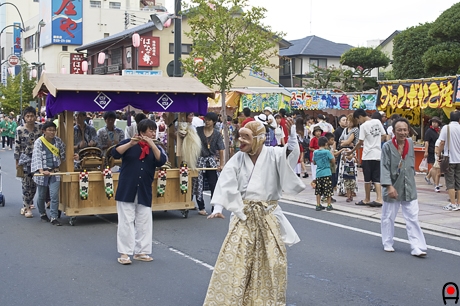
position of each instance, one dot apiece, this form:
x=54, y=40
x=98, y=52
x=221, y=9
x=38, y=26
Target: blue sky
x=353, y=21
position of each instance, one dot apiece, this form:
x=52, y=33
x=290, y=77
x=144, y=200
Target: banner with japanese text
x=258, y=102
x=317, y=99
x=75, y=63
x=149, y=51
x=67, y=22
x=17, y=47
x=433, y=93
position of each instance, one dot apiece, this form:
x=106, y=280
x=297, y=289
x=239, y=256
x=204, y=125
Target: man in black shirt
x=431, y=135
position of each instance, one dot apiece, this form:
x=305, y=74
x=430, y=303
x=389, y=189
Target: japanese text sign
x=417, y=93
x=320, y=99
x=75, y=63
x=67, y=25
x=17, y=48
x=149, y=55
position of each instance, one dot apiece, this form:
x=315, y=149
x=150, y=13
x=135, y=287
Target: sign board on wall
x=66, y=20
x=75, y=63
x=149, y=51
x=142, y=72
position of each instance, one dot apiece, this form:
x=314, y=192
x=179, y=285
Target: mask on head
x=258, y=135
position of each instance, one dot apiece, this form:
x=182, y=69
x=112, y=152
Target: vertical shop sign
x=75, y=63
x=149, y=55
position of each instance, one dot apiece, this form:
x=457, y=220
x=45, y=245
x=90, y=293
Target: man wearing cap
x=431, y=135
x=84, y=135
x=270, y=119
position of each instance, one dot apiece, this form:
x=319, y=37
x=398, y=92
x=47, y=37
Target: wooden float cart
x=66, y=94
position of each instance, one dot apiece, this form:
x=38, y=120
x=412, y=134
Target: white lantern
x=101, y=58
x=84, y=66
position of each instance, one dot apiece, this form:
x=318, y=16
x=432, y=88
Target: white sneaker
x=388, y=249
x=455, y=207
x=417, y=252
x=437, y=189
x=23, y=211
x=449, y=206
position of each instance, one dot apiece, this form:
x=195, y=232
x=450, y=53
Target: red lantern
x=101, y=58
x=136, y=40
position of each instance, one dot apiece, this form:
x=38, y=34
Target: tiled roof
x=315, y=46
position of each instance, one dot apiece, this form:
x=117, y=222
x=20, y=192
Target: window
x=186, y=48
x=64, y=48
x=106, y=35
x=36, y=0
x=95, y=3
x=115, y=5
x=286, y=65
x=319, y=62
x=29, y=43
x=116, y=56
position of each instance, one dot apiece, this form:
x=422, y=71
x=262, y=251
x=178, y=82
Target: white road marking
x=192, y=259
x=367, y=218
x=367, y=232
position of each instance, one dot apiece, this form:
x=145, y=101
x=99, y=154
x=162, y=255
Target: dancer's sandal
x=142, y=257
x=124, y=260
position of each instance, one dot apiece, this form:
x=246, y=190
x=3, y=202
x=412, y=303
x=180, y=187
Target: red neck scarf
x=406, y=147
x=145, y=149
x=436, y=129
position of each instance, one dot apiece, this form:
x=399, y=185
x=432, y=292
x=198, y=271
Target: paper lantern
x=34, y=73
x=136, y=40
x=43, y=71
x=167, y=23
x=84, y=66
x=63, y=70
x=11, y=71
x=101, y=58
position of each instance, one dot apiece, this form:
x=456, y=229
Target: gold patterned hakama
x=251, y=268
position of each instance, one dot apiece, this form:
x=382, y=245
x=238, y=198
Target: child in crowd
x=322, y=158
x=349, y=175
x=331, y=146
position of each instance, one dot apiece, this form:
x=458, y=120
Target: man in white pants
x=398, y=182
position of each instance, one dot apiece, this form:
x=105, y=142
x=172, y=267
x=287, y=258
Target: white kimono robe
x=266, y=181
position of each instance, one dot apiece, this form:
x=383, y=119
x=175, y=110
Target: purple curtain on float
x=112, y=101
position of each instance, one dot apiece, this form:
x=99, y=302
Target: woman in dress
x=348, y=139
x=251, y=268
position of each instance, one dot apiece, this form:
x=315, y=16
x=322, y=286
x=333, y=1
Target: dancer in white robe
x=251, y=268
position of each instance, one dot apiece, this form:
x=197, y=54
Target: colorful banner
x=257, y=102
x=75, y=63
x=67, y=22
x=17, y=47
x=263, y=76
x=316, y=99
x=436, y=93
x=149, y=51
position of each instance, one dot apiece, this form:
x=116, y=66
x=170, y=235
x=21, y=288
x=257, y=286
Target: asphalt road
x=340, y=260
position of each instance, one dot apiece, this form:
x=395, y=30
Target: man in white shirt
x=450, y=145
x=323, y=124
x=270, y=119
x=371, y=134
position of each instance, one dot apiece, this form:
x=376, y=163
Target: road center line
x=367, y=232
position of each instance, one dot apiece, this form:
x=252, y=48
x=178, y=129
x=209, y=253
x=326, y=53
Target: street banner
x=320, y=99
x=422, y=93
x=260, y=74
x=258, y=102
x=17, y=43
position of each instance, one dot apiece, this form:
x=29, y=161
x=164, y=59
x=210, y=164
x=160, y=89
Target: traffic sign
x=13, y=60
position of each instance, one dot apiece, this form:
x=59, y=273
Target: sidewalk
x=431, y=215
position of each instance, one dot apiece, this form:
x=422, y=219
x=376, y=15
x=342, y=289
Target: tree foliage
x=447, y=26
x=442, y=59
x=408, y=49
x=323, y=78
x=10, y=96
x=364, y=59
x=230, y=39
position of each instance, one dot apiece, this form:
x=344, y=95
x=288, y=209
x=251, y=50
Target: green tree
x=447, y=26
x=10, y=97
x=408, y=49
x=230, y=38
x=322, y=78
x=363, y=60
x=442, y=59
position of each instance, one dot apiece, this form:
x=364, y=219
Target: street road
x=340, y=260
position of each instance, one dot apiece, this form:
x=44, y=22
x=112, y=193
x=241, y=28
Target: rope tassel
x=183, y=178
x=108, y=182
x=83, y=184
x=161, y=182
